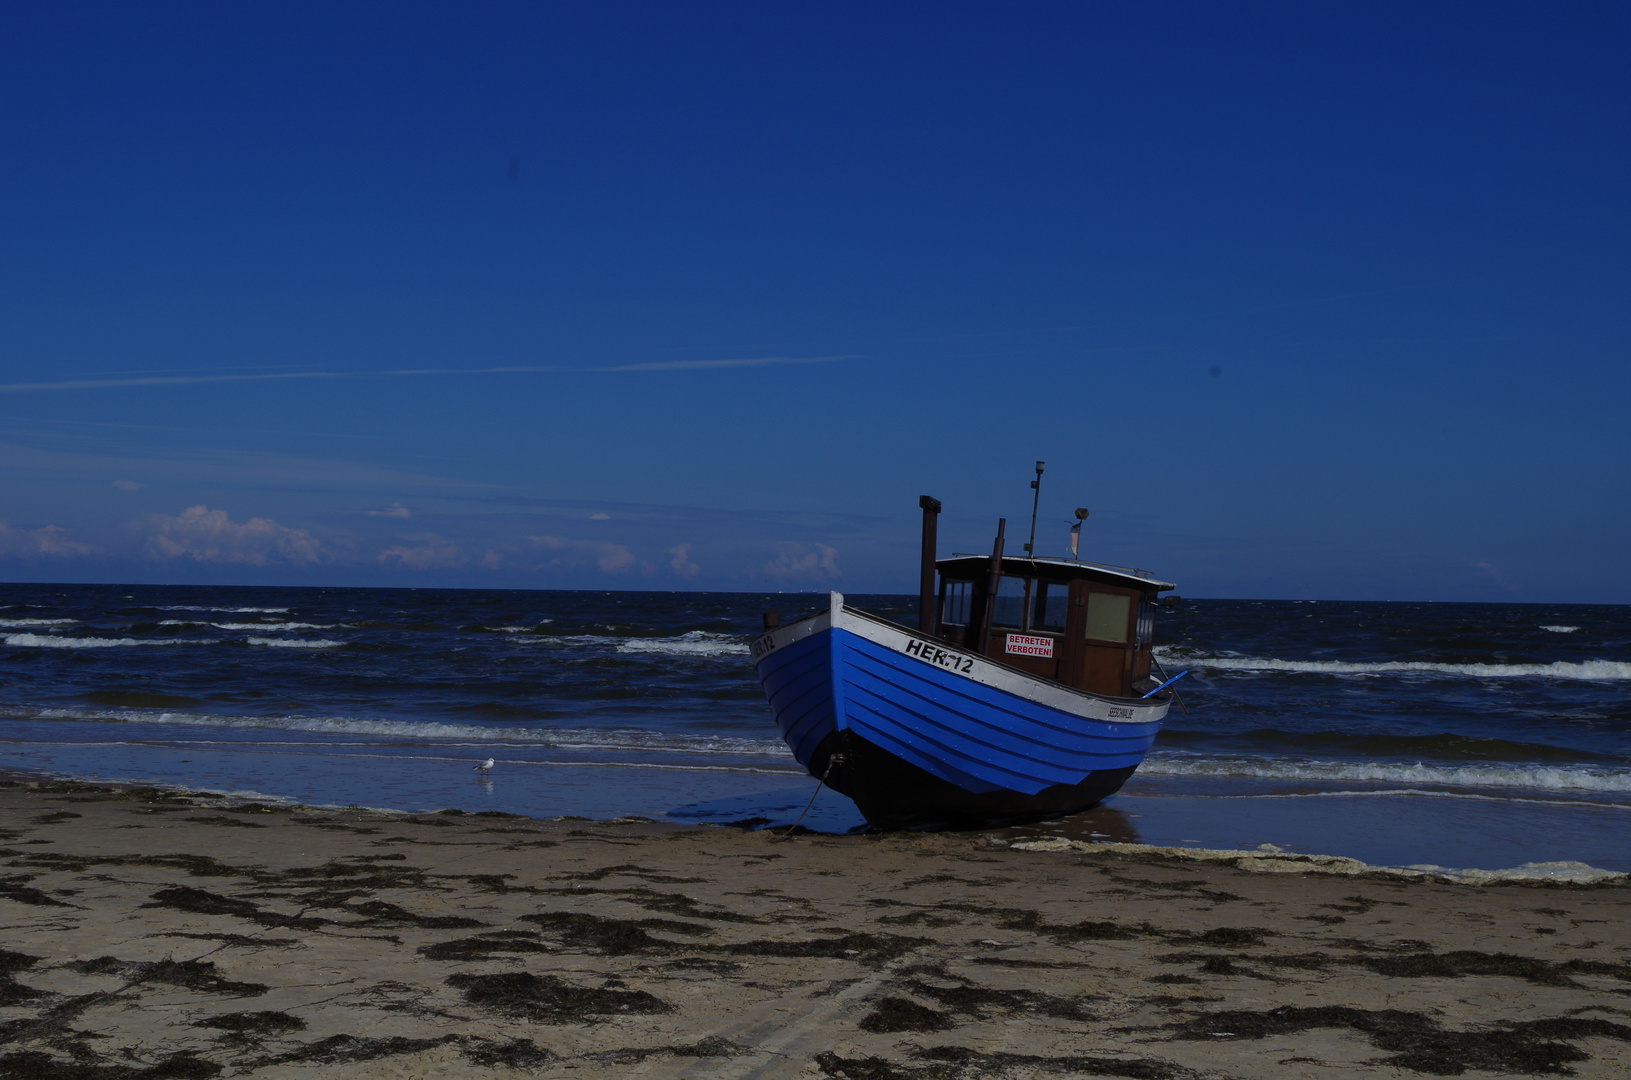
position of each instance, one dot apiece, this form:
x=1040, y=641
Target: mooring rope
x=834, y=760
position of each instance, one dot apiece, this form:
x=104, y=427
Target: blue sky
x=1313, y=301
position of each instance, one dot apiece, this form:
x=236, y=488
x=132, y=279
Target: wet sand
x=150, y=935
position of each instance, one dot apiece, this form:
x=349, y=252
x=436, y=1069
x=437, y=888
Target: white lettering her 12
x=933, y=654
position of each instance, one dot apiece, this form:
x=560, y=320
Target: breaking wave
x=1584, y=670
x=293, y=643
x=1541, y=777
x=1561, y=629
x=410, y=730
x=52, y=641
x=694, y=643
x=37, y=622
x=230, y=610
x=251, y=625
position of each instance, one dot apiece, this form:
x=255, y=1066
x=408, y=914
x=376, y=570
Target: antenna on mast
x=1036, y=486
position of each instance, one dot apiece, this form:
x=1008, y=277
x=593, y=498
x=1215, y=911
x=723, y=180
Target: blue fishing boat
x=1024, y=692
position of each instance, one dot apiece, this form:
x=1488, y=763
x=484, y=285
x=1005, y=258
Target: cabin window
x=1146, y=619
x=1009, y=609
x=958, y=594
x=1107, y=616
x=1052, y=605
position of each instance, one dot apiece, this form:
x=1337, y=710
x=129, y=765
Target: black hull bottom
x=895, y=794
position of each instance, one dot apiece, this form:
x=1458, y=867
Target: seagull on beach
x=486, y=766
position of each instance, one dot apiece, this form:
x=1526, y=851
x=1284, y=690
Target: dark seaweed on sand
x=253, y=1023
x=218, y=819
x=550, y=999
x=892, y=1014
x=36, y=1065
x=667, y=903
x=515, y=1054
x=485, y=946
x=1452, y=965
x=380, y=911
x=962, y=1063
x=613, y=937
x=1417, y=1041
x=872, y=948
x=189, y=974
x=13, y=992
x=712, y=1046
x=1012, y=918
x=195, y=865
x=973, y=1000
x=1446, y=965
x=203, y=902
x=16, y=887
x=348, y=1049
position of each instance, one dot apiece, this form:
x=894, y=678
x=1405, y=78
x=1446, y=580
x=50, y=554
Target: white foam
x=1426, y=793
x=694, y=643
x=38, y=622
x=1589, y=670
x=463, y=734
x=1542, y=777
x=294, y=643
x=51, y=641
x=1561, y=629
x=1268, y=859
x=251, y=625
x=231, y=610
x=521, y=629
x=575, y=639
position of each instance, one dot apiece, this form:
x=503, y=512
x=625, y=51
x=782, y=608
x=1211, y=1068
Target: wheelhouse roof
x=970, y=566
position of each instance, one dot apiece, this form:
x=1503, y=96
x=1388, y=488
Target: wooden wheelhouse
x=1083, y=624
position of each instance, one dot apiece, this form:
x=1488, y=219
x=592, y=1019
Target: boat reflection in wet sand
x=1025, y=691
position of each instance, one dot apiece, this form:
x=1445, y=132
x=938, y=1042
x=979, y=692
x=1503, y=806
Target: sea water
x=1459, y=735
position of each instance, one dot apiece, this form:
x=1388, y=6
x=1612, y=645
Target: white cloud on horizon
x=681, y=562
x=431, y=553
x=794, y=562
x=206, y=535
x=609, y=558
x=46, y=540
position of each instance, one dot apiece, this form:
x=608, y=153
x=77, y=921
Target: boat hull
x=923, y=736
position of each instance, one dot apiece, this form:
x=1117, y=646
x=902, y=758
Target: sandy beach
x=149, y=934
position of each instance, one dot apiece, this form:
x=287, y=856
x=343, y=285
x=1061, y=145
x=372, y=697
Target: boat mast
x=1036, y=486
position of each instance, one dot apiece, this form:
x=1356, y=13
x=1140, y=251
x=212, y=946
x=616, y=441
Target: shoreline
x=187, y=936
x=1455, y=833
x=1263, y=859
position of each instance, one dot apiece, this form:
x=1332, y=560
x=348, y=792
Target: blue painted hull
x=934, y=737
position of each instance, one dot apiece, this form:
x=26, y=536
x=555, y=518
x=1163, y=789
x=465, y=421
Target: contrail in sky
x=176, y=380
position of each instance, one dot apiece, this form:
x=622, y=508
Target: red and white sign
x=1026, y=645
